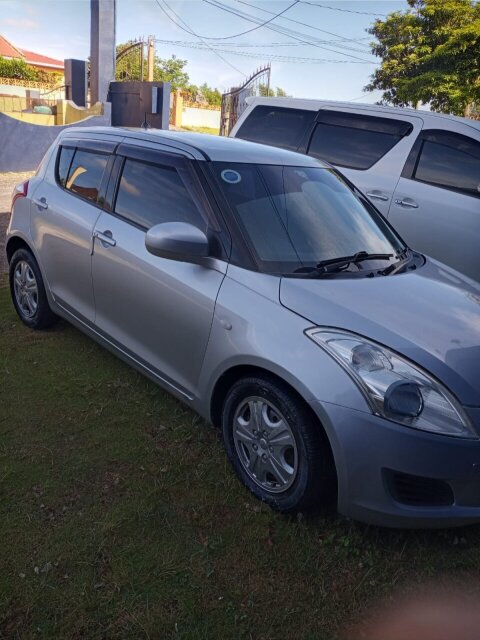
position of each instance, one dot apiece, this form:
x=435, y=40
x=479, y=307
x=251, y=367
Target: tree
x=212, y=96
x=430, y=54
x=281, y=93
x=164, y=69
x=171, y=70
x=268, y=92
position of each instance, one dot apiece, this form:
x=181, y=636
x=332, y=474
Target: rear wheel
x=28, y=291
x=277, y=447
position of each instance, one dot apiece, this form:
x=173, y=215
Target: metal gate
x=234, y=102
x=129, y=61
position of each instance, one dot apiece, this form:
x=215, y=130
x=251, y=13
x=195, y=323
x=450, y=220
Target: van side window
x=150, y=194
x=355, y=141
x=277, y=126
x=81, y=171
x=449, y=160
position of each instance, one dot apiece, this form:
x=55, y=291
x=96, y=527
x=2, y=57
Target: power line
x=291, y=33
x=304, y=24
x=191, y=32
x=254, y=45
x=242, y=33
x=324, y=6
x=265, y=55
x=287, y=32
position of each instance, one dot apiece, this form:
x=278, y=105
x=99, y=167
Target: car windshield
x=296, y=217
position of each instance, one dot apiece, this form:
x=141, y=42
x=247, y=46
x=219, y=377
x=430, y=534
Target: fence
x=27, y=84
x=16, y=104
x=234, y=102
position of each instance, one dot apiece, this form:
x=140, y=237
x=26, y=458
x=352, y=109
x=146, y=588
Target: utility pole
x=150, y=57
x=102, y=48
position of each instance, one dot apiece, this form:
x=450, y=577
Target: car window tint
x=355, y=141
x=86, y=172
x=149, y=194
x=276, y=126
x=450, y=161
x=64, y=161
x=297, y=216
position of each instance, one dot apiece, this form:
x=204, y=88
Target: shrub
x=18, y=69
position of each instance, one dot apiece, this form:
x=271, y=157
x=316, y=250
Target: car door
x=158, y=311
x=436, y=206
x=370, y=149
x=65, y=207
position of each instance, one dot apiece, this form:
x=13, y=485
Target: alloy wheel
x=26, y=289
x=265, y=444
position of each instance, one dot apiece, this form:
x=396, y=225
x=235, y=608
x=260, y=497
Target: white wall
x=193, y=117
x=10, y=90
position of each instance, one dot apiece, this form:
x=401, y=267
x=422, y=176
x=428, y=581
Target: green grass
x=211, y=130
x=120, y=517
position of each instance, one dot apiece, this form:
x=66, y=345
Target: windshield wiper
x=335, y=265
x=404, y=259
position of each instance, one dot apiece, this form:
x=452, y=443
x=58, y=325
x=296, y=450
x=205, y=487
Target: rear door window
x=449, y=160
x=277, y=126
x=84, y=173
x=355, y=141
x=150, y=194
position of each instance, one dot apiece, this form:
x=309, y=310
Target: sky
x=338, y=64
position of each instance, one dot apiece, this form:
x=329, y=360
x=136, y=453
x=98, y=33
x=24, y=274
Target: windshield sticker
x=231, y=176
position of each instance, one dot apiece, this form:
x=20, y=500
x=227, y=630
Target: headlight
x=394, y=387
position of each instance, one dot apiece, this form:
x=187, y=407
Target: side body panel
x=158, y=309
x=252, y=328
x=442, y=223
x=62, y=236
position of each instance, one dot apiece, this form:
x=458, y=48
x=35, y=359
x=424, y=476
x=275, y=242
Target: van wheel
x=277, y=447
x=28, y=291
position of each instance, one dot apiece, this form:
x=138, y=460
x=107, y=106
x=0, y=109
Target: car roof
x=314, y=105
x=204, y=146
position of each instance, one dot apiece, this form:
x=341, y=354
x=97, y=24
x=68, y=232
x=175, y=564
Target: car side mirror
x=177, y=241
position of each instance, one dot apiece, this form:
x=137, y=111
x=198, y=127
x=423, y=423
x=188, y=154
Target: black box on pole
x=76, y=81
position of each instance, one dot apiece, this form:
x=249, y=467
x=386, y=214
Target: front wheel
x=28, y=291
x=277, y=447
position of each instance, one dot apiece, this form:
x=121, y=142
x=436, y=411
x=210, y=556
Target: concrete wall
x=68, y=112
x=197, y=117
x=22, y=145
x=41, y=119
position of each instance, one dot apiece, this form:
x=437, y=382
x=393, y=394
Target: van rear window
x=277, y=126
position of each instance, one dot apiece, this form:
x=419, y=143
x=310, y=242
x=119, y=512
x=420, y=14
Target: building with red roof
x=37, y=60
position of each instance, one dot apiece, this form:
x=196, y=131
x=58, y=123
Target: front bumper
x=369, y=451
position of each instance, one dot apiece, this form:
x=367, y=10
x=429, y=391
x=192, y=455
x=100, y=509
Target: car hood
x=431, y=316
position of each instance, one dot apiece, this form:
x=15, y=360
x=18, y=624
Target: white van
x=420, y=169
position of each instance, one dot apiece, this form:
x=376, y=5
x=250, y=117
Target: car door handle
x=407, y=203
x=105, y=238
x=41, y=203
x=377, y=196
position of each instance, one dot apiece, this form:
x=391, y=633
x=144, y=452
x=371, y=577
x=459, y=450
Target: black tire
x=312, y=484
x=41, y=316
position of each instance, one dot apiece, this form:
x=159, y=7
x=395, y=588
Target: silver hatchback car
x=262, y=289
